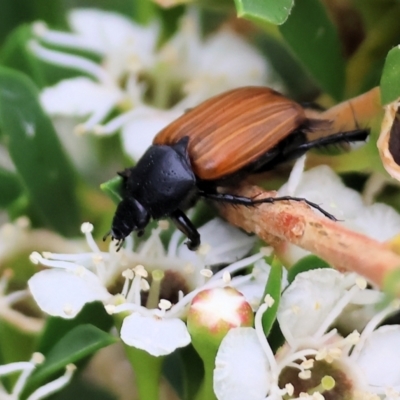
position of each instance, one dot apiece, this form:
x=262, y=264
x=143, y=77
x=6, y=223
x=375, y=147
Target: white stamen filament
x=133, y=307
x=70, y=61
x=55, y=264
x=85, y=229
x=336, y=311
x=134, y=291
x=263, y=340
x=21, y=381
x=238, y=265
x=15, y=367
x=93, y=123
x=53, y=386
x=173, y=243
x=14, y=297
x=125, y=288
x=153, y=244
x=292, y=357
x=371, y=326
x=64, y=39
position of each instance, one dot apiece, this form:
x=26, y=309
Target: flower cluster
x=131, y=65
x=315, y=362
x=157, y=288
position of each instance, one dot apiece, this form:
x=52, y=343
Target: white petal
x=380, y=357
x=228, y=56
x=225, y=244
x=113, y=33
x=322, y=186
x=379, y=221
x=157, y=336
x=254, y=289
x=63, y=294
x=241, y=367
x=78, y=97
x=139, y=132
x=306, y=303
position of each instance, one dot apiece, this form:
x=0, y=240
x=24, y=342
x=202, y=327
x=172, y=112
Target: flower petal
x=322, y=186
x=379, y=221
x=78, y=97
x=139, y=132
x=157, y=336
x=226, y=244
x=241, y=367
x=113, y=33
x=307, y=302
x=63, y=294
x=380, y=357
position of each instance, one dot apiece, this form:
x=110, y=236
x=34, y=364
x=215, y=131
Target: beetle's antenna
x=246, y=201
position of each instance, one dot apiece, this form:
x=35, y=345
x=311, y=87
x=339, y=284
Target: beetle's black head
x=129, y=216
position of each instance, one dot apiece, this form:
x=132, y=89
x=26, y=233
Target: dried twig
x=296, y=223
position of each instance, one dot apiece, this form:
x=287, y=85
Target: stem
x=206, y=391
x=147, y=368
x=147, y=371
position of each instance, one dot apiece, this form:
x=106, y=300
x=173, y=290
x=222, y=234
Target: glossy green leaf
x=273, y=11
x=390, y=80
x=37, y=154
x=113, y=189
x=272, y=288
x=10, y=188
x=76, y=345
x=314, y=40
x=307, y=263
x=92, y=313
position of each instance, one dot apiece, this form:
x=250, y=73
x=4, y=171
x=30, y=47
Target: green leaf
x=272, y=288
x=307, y=263
x=273, y=11
x=390, y=80
x=92, y=313
x=14, y=54
x=37, y=154
x=76, y=345
x=113, y=189
x=314, y=40
x=15, y=12
x=10, y=188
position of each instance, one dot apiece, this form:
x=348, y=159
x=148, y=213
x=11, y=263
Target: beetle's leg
x=246, y=201
x=357, y=135
x=184, y=224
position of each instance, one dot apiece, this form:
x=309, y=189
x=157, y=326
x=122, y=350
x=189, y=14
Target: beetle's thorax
x=163, y=180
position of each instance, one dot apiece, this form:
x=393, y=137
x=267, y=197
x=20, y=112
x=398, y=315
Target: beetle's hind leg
x=246, y=201
x=184, y=224
x=356, y=135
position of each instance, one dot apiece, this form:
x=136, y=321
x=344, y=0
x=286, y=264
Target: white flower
x=208, y=67
x=322, y=186
x=26, y=369
x=247, y=368
x=186, y=64
x=154, y=325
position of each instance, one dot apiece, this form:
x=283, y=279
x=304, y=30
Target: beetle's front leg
x=184, y=224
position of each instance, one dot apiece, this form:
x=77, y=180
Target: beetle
x=216, y=144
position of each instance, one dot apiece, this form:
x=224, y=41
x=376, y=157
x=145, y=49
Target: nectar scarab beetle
x=217, y=143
